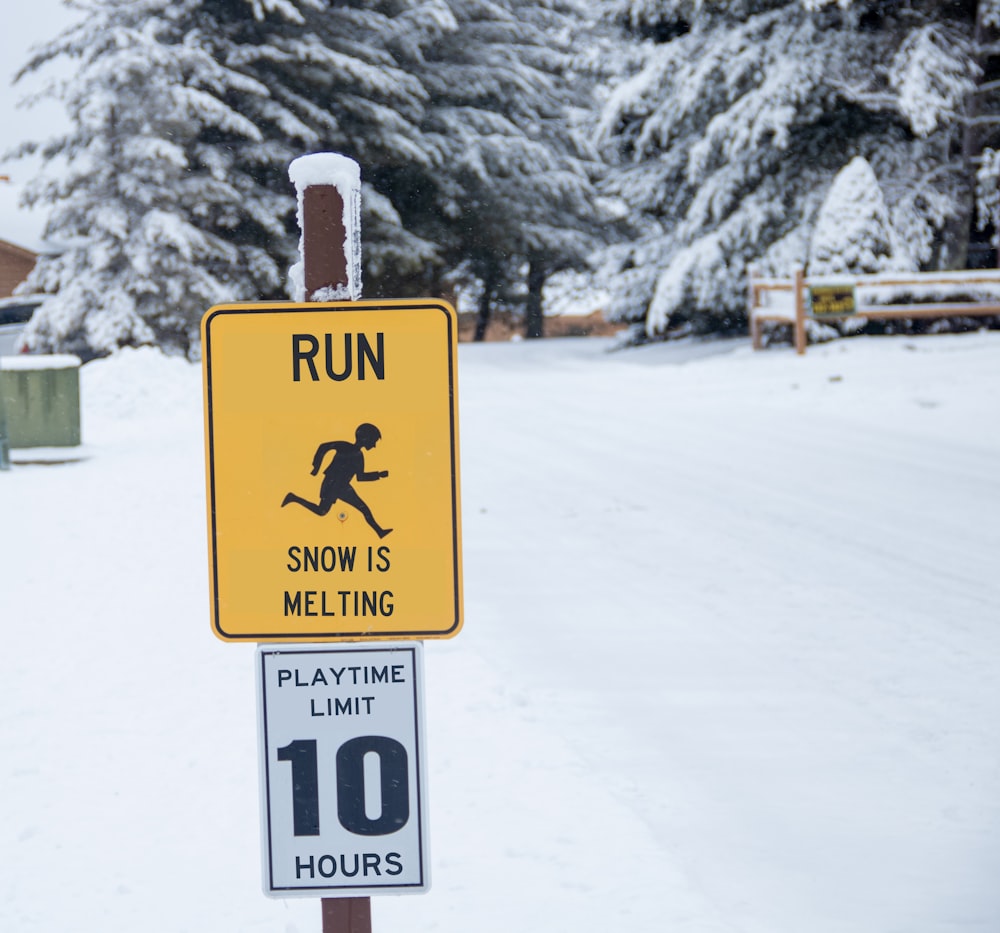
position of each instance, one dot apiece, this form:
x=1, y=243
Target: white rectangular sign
x=342, y=769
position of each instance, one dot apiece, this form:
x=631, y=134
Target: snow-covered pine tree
x=511, y=183
x=156, y=217
x=186, y=114
x=946, y=74
x=980, y=129
x=853, y=231
x=742, y=114
x=350, y=75
x=564, y=220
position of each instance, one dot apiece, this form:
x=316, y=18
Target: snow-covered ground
x=729, y=662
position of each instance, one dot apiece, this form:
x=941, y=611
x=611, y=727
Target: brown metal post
x=347, y=914
x=800, y=312
x=324, y=238
x=325, y=265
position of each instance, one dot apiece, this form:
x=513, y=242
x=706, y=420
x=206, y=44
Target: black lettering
x=342, y=706
x=393, y=786
x=305, y=785
x=298, y=355
x=324, y=602
x=380, y=675
x=376, y=359
x=326, y=559
x=348, y=865
x=305, y=348
x=397, y=674
x=283, y=676
x=348, y=359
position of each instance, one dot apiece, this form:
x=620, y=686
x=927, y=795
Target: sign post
x=333, y=508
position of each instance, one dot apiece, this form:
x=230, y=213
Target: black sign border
x=417, y=668
x=328, y=307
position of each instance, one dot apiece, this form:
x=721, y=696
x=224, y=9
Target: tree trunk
x=953, y=248
x=534, y=316
x=483, y=317
x=436, y=287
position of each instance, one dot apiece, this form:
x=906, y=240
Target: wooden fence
x=902, y=296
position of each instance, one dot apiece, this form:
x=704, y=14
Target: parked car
x=14, y=315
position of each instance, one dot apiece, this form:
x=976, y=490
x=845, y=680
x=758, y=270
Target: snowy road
x=728, y=661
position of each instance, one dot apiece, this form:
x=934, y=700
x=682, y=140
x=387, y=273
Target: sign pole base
x=347, y=915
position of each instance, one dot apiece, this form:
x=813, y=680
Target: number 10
x=352, y=812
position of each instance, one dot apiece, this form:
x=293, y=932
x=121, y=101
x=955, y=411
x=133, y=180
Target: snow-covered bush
x=853, y=231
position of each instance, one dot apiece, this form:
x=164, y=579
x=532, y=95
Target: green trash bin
x=40, y=401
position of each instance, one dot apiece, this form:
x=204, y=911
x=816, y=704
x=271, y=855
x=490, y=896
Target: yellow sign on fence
x=332, y=467
x=832, y=300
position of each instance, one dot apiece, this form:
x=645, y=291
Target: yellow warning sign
x=332, y=467
x=832, y=300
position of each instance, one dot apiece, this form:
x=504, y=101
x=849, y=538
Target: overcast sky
x=24, y=25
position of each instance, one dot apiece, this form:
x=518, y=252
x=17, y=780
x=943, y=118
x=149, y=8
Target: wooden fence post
x=755, y=328
x=800, y=312
x=329, y=195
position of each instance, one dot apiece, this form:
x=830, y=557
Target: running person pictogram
x=347, y=464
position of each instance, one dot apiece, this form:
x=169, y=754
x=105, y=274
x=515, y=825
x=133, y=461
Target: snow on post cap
x=344, y=174
x=325, y=168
